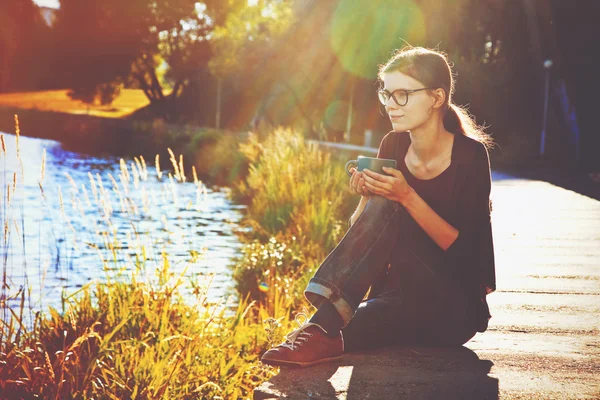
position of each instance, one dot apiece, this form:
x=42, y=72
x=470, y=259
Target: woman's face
x=416, y=111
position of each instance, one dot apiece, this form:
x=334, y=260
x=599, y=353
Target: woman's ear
x=439, y=95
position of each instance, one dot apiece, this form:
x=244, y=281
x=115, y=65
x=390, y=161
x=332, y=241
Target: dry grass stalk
x=181, y=169
x=43, y=173
x=157, y=166
x=174, y=163
x=194, y=174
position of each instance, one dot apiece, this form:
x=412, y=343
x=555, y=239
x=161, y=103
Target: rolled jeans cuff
x=318, y=290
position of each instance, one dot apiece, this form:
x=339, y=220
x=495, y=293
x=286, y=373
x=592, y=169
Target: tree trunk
x=349, y=119
x=219, y=92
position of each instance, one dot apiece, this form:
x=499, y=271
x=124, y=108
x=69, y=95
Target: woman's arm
x=472, y=253
x=468, y=245
x=395, y=188
x=474, y=211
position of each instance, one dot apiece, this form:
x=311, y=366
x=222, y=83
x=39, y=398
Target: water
x=55, y=247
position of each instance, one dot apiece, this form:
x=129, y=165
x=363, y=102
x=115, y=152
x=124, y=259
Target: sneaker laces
x=299, y=335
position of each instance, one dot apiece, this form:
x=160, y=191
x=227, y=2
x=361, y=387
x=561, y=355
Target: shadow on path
x=389, y=373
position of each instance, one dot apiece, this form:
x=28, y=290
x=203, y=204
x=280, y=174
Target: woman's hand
x=357, y=183
x=392, y=187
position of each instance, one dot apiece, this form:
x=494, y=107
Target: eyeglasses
x=399, y=96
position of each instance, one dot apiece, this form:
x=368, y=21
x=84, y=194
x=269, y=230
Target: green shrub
x=298, y=203
x=294, y=187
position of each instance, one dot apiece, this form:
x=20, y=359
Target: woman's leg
x=425, y=309
x=346, y=274
x=340, y=284
x=344, y=278
x=419, y=304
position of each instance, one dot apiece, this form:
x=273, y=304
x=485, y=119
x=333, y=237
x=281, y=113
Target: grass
x=134, y=339
x=129, y=101
x=297, y=198
x=134, y=335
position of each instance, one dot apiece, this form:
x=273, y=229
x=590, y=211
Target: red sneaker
x=307, y=345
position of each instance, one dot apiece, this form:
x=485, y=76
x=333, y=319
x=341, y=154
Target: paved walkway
x=543, y=341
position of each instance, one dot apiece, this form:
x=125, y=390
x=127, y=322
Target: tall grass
x=131, y=339
x=134, y=335
x=294, y=187
x=298, y=203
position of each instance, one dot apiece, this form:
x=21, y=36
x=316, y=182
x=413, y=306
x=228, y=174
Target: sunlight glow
x=361, y=33
x=341, y=380
x=47, y=3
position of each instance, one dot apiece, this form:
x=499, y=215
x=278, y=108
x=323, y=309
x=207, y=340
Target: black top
x=461, y=196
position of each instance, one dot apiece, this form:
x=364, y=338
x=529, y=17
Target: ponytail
x=458, y=121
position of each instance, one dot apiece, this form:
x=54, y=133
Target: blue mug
x=371, y=163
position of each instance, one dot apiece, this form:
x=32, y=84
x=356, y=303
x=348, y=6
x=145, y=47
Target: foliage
x=214, y=153
x=24, y=47
x=219, y=159
x=247, y=34
x=128, y=338
x=131, y=336
x=297, y=199
x=106, y=43
x=285, y=62
x=135, y=336
x=294, y=187
x=274, y=274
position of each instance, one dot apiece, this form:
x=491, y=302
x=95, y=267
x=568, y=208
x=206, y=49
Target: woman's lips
x=396, y=117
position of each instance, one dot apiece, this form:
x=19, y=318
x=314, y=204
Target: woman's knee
x=380, y=204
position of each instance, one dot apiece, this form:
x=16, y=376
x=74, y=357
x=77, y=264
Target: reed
x=294, y=187
x=135, y=334
x=297, y=198
x=134, y=339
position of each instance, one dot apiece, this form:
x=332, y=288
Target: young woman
x=421, y=237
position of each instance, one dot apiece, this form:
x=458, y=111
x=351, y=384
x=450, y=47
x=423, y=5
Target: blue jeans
x=413, y=298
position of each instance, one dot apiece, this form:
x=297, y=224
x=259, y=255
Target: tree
x=23, y=46
x=245, y=36
x=108, y=43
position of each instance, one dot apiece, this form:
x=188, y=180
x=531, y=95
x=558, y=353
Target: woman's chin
x=398, y=127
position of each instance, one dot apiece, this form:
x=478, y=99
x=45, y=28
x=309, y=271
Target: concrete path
x=543, y=341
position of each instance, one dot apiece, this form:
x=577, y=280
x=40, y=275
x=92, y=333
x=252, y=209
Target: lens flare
x=364, y=33
x=263, y=287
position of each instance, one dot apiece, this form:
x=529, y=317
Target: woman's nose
x=390, y=104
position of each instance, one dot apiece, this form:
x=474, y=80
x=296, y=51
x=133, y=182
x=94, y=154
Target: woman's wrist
x=407, y=196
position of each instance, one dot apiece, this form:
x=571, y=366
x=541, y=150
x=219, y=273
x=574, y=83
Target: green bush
x=294, y=187
x=298, y=204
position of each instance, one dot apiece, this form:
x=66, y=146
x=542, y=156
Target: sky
x=47, y=3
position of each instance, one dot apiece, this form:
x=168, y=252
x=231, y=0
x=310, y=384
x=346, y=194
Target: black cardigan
x=471, y=257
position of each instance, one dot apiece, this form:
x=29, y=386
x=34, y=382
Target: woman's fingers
x=376, y=176
x=358, y=183
x=355, y=181
x=372, y=188
x=368, y=179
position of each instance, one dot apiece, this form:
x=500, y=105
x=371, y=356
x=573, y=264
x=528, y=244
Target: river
x=84, y=218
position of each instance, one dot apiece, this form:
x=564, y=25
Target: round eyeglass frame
x=384, y=95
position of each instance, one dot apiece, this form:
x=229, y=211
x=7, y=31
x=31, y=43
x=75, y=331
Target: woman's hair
x=432, y=69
